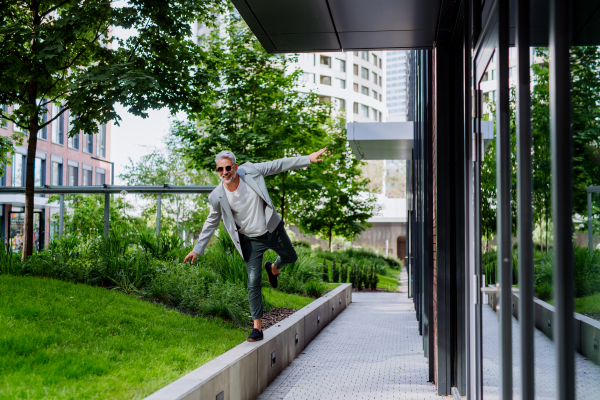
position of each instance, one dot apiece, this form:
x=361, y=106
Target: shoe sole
x=270, y=274
x=254, y=340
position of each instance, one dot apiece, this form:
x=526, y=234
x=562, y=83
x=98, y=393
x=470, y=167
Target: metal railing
x=107, y=190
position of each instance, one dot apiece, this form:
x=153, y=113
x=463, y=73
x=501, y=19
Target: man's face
x=222, y=165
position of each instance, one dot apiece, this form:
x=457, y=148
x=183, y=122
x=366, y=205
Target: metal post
x=590, y=228
x=158, y=204
x=562, y=206
x=503, y=178
x=106, y=214
x=524, y=198
x=61, y=215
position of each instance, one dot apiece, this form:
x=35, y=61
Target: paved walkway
x=372, y=350
x=587, y=374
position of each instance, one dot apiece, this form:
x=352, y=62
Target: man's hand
x=191, y=257
x=314, y=157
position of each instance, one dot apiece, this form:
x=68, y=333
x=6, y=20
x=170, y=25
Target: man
x=242, y=200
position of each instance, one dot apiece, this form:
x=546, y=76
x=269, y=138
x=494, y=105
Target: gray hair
x=225, y=154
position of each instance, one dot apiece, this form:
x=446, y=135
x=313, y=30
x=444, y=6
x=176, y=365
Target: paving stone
x=587, y=374
x=372, y=350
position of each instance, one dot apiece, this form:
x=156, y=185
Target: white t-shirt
x=248, y=210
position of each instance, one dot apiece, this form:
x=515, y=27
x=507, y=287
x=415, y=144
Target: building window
x=356, y=53
x=493, y=74
x=341, y=104
x=355, y=108
x=325, y=99
x=364, y=73
x=39, y=172
x=341, y=83
x=57, y=174
x=380, y=97
x=374, y=78
x=374, y=114
x=72, y=142
x=326, y=61
x=355, y=69
x=58, y=125
x=365, y=90
x=364, y=111
x=73, y=176
x=88, y=143
x=325, y=80
x=308, y=77
x=375, y=95
x=101, y=141
x=4, y=122
x=43, y=133
x=18, y=170
x=341, y=64
x=310, y=59
x=375, y=59
x=100, y=177
x=355, y=86
x=364, y=55
x=484, y=78
x=380, y=63
x=15, y=127
x=379, y=116
x=87, y=177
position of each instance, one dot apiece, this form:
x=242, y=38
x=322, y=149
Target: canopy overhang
x=381, y=140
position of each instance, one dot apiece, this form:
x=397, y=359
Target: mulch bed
x=275, y=316
x=595, y=316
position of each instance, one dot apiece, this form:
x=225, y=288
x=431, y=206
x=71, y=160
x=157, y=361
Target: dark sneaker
x=272, y=278
x=255, y=336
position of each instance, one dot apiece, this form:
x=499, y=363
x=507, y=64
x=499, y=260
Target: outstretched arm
x=288, y=164
x=211, y=223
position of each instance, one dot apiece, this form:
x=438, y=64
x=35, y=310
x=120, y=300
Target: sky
x=137, y=136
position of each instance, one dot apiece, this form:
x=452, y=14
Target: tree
x=256, y=111
x=167, y=166
x=62, y=52
x=335, y=203
x=86, y=213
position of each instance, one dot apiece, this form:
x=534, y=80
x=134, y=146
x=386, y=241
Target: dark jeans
x=253, y=249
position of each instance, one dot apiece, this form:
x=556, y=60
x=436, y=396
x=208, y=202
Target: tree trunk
x=29, y=195
x=330, y=234
x=32, y=92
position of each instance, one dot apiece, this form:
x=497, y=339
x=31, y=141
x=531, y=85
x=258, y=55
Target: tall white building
x=396, y=68
x=353, y=82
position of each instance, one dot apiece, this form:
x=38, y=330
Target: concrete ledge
x=587, y=330
x=245, y=371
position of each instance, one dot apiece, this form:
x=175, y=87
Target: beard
x=228, y=181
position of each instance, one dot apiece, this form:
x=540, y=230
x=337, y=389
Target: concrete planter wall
x=245, y=371
x=587, y=330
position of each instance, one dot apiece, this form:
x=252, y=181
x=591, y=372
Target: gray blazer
x=253, y=175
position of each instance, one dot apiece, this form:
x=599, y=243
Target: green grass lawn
x=285, y=300
x=389, y=281
x=585, y=305
x=62, y=340
x=588, y=304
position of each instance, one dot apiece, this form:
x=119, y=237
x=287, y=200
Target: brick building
x=81, y=160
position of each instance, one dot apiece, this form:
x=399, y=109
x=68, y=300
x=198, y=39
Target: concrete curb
x=245, y=371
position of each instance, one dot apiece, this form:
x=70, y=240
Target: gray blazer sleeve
x=211, y=223
x=282, y=164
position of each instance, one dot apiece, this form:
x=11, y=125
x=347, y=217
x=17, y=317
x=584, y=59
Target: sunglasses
x=227, y=168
